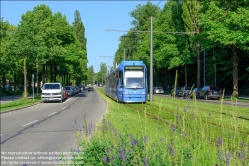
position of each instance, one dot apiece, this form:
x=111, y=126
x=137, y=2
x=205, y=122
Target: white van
x=52, y=92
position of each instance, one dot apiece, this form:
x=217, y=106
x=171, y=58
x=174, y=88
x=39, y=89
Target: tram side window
x=120, y=74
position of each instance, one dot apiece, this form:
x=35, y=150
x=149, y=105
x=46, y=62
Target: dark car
x=210, y=92
x=195, y=92
x=184, y=92
x=90, y=88
x=176, y=91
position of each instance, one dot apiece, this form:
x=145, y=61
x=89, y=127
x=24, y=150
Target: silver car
x=158, y=90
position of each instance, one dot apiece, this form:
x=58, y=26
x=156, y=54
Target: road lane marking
x=52, y=113
x=30, y=123
x=63, y=108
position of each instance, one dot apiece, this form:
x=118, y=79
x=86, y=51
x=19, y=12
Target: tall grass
x=173, y=134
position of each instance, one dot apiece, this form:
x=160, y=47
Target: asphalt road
x=47, y=128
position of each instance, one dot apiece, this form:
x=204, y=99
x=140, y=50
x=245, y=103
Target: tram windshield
x=134, y=79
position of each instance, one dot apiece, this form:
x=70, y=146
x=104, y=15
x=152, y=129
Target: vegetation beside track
x=167, y=132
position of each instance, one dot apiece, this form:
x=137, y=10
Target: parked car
x=70, y=91
x=184, y=92
x=52, y=92
x=90, y=88
x=87, y=88
x=80, y=88
x=176, y=91
x=210, y=92
x=158, y=90
x=195, y=92
x=65, y=93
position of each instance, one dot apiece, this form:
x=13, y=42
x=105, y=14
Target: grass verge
x=18, y=104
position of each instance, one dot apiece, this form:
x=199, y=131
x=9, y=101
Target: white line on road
x=52, y=113
x=1, y=134
x=63, y=108
x=30, y=123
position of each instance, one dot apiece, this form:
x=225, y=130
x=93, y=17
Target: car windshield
x=51, y=86
x=215, y=88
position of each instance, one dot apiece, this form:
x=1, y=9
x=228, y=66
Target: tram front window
x=134, y=79
x=134, y=83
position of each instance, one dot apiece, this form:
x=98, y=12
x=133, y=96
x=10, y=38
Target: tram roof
x=129, y=63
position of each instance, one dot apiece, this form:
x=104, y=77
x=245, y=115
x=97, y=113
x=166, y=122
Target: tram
x=128, y=82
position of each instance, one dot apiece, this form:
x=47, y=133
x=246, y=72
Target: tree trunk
x=25, y=79
x=15, y=82
x=186, y=76
x=3, y=81
x=198, y=65
x=55, y=72
x=51, y=73
x=43, y=74
x=235, y=72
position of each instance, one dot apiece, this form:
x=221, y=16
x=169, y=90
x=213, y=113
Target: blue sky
x=97, y=17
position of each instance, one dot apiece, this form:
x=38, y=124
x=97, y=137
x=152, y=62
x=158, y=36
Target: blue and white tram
x=127, y=83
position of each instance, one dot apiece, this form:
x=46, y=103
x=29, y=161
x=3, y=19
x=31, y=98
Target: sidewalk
x=240, y=97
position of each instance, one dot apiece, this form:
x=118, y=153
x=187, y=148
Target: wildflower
x=173, y=128
x=159, y=128
x=78, y=150
x=146, y=139
x=242, y=155
x=219, y=141
x=131, y=136
x=227, y=156
x=170, y=149
x=133, y=142
x=106, y=159
x=161, y=139
x=230, y=136
x=146, y=161
x=84, y=116
x=122, y=153
x=242, y=144
x=185, y=109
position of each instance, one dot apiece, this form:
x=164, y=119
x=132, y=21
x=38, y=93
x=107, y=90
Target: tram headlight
x=125, y=93
x=142, y=92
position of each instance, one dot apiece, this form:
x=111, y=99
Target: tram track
x=228, y=108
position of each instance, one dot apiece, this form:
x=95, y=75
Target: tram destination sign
x=134, y=67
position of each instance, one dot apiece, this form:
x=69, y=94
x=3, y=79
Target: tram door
x=120, y=86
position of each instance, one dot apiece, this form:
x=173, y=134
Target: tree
x=228, y=26
x=190, y=17
x=6, y=62
x=79, y=31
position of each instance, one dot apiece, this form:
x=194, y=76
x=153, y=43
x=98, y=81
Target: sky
x=97, y=17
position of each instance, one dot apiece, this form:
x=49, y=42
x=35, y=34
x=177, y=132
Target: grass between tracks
x=165, y=132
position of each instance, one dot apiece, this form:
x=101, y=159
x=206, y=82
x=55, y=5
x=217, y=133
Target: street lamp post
x=151, y=60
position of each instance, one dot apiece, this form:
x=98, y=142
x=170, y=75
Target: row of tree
x=187, y=34
x=46, y=44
